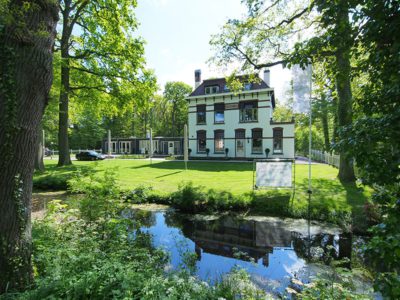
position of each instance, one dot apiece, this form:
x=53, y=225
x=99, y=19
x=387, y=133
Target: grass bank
x=225, y=185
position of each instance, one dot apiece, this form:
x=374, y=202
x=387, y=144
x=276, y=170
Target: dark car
x=89, y=155
x=48, y=152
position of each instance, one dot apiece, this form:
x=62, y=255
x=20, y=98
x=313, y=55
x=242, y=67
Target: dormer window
x=247, y=86
x=226, y=88
x=212, y=89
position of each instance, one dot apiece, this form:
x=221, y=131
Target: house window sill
x=219, y=123
x=201, y=123
x=256, y=121
x=277, y=153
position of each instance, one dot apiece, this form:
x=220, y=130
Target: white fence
x=326, y=157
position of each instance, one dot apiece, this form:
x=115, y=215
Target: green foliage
x=175, y=93
x=141, y=194
x=383, y=249
x=191, y=198
x=93, y=251
x=302, y=136
x=337, y=284
x=51, y=182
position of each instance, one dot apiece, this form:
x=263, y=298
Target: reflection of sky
x=283, y=263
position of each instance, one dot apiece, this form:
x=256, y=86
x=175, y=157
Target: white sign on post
x=274, y=174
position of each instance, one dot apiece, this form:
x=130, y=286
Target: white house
x=238, y=125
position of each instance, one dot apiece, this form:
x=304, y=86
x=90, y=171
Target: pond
x=271, y=250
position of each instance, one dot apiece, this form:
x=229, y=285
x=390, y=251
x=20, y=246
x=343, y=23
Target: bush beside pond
x=91, y=250
x=191, y=198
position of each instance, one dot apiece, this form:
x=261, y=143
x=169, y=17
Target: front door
x=171, y=148
x=240, y=150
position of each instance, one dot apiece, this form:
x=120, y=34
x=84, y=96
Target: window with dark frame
x=248, y=111
x=201, y=141
x=256, y=140
x=213, y=89
x=278, y=140
x=240, y=134
x=219, y=141
x=219, y=109
x=201, y=114
x=247, y=86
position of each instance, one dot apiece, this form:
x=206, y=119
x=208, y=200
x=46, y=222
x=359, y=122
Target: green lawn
x=329, y=194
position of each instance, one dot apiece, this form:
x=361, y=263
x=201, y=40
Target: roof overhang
x=230, y=93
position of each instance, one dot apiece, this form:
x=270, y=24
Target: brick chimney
x=267, y=77
x=197, y=78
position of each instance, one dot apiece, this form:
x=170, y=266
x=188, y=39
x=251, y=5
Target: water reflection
x=269, y=249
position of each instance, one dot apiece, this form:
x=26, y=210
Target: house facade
x=162, y=146
x=236, y=125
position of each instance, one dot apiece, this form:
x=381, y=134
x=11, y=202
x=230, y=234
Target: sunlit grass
x=329, y=194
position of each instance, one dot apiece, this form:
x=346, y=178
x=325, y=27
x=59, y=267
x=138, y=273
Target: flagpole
x=309, y=167
x=185, y=145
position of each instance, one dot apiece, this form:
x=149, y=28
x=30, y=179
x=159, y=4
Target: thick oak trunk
x=63, y=140
x=343, y=87
x=39, y=164
x=25, y=81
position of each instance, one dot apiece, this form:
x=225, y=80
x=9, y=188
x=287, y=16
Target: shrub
x=191, y=198
x=138, y=195
x=93, y=252
x=188, y=198
x=51, y=182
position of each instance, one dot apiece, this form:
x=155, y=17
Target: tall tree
x=263, y=39
x=27, y=32
x=175, y=93
x=97, y=40
x=374, y=137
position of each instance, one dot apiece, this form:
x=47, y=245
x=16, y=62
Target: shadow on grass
x=169, y=174
x=332, y=200
x=199, y=166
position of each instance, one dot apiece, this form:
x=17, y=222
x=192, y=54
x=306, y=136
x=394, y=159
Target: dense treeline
x=354, y=49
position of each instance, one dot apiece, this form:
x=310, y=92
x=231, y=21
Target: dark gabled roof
x=221, y=82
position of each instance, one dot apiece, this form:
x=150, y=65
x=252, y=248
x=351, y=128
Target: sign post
x=274, y=173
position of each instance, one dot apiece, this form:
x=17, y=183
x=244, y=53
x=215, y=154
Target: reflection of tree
x=145, y=218
x=174, y=219
x=322, y=247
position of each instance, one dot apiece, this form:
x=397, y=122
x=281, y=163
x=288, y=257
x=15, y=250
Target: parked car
x=48, y=152
x=89, y=155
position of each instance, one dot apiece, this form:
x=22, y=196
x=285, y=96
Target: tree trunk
x=26, y=68
x=39, y=165
x=64, y=158
x=343, y=87
x=324, y=122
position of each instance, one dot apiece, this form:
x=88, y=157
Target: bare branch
x=292, y=18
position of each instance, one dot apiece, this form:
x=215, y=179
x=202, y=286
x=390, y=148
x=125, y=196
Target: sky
x=178, y=32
